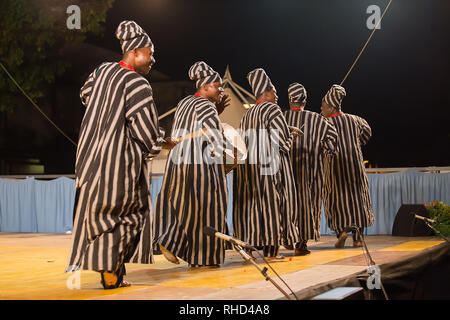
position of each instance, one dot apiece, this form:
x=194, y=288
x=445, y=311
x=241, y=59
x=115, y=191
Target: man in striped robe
x=346, y=198
x=119, y=130
x=194, y=190
x=307, y=157
x=264, y=194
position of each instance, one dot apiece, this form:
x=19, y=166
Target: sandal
x=111, y=280
x=197, y=266
x=276, y=258
x=340, y=243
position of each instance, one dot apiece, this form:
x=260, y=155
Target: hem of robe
x=129, y=254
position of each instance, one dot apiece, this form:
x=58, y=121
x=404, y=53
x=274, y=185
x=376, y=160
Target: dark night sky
x=400, y=85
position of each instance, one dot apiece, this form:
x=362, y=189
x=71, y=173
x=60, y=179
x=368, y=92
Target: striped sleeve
x=208, y=117
x=86, y=89
x=142, y=116
x=280, y=132
x=329, y=143
x=365, y=132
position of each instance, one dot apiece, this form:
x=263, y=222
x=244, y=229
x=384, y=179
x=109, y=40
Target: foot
x=125, y=283
x=357, y=243
x=341, y=240
x=169, y=255
x=197, y=266
x=276, y=258
x=303, y=251
x=110, y=280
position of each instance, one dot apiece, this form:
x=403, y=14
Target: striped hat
x=259, y=81
x=297, y=93
x=203, y=74
x=132, y=36
x=334, y=96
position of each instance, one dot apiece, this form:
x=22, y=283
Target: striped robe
x=112, y=213
x=194, y=190
x=265, y=205
x=346, y=195
x=307, y=157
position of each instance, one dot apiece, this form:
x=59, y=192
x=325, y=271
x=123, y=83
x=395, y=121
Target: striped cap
x=132, y=36
x=297, y=93
x=259, y=81
x=335, y=95
x=203, y=74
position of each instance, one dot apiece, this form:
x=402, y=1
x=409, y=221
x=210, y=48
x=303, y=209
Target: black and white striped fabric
x=334, y=96
x=194, y=190
x=265, y=201
x=132, y=36
x=346, y=194
x=259, y=81
x=307, y=157
x=112, y=213
x=202, y=74
x=297, y=93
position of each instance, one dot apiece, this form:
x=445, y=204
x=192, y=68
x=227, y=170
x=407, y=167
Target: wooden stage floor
x=32, y=267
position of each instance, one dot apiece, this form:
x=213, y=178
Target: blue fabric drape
x=31, y=205
x=47, y=206
x=389, y=191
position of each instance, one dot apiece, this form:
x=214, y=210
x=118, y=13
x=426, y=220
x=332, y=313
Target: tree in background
x=32, y=34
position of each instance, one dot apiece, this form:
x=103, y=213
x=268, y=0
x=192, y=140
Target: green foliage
x=440, y=212
x=32, y=33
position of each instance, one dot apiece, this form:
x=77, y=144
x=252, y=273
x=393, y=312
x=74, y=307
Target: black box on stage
x=406, y=225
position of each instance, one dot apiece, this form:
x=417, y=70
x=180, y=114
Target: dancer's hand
x=169, y=143
x=225, y=102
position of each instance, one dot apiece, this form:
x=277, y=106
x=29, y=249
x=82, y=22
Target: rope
x=367, y=42
x=35, y=105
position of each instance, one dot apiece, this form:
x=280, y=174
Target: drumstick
x=195, y=134
x=191, y=135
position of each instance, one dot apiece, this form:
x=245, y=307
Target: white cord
x=367, y=42
x=35, y=105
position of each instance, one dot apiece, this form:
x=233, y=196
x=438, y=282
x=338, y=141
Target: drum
x=236, y=150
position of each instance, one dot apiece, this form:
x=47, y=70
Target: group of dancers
x=274, y=204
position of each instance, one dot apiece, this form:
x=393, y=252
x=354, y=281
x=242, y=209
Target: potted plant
x=440, y=213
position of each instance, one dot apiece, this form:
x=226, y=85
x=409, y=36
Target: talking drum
x=236, y=150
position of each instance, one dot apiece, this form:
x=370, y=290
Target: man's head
x=296, y=105
x=269, y=95
x=212, y=91
x=297, y=96
x=207, y=81
x=141, y=59
x=137, y=48
x=327, y=110
x=331, y=102
x=262, y=87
